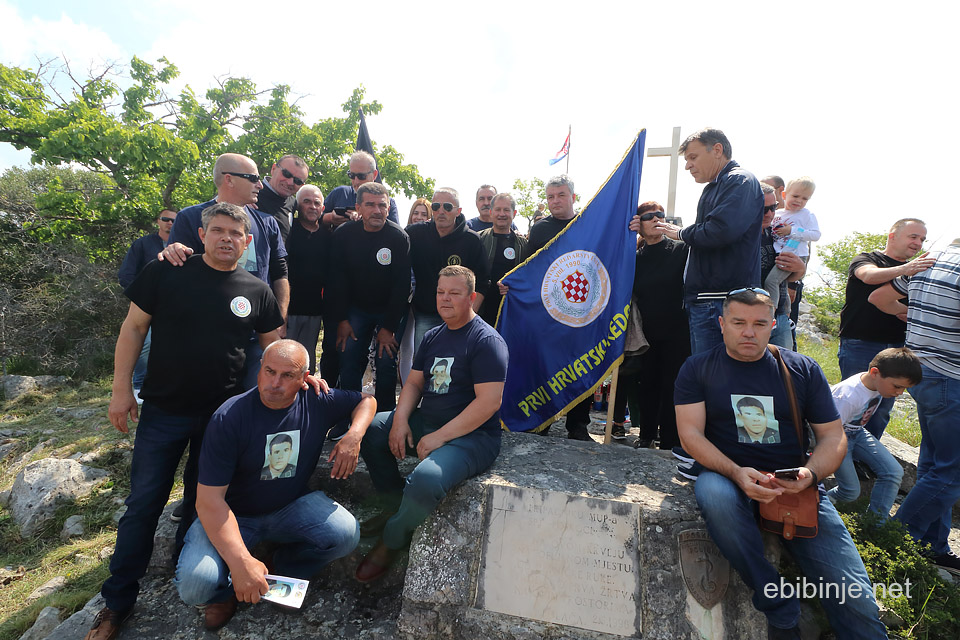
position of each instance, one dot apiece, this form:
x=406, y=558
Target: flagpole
x=569, y=131
x=611, y=399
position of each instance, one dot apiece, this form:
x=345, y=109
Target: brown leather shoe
x=106, y=624
x=217, y=614
x=376, y=563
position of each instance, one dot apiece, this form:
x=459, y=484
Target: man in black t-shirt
x=202, y=315
x=308, y=255
x=504, y=250
x=865, y=331
x=368, y=299
x=456, y=427
x=714, y=391
x=259, y=452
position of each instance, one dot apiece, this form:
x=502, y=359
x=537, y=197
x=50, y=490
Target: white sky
x=851, y=94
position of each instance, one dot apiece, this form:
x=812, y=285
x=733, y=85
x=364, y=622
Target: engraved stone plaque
x=564, y=559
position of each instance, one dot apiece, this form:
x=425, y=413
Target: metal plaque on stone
x=563, y=559
x=705, y=572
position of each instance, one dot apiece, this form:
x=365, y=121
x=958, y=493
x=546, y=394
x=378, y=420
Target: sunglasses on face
x=166, y=219
x=650, y=215
x=289, y=176
x=770, y=207
x=358, y=176
x=252, y=177
x=448, y=207
x=753, y=289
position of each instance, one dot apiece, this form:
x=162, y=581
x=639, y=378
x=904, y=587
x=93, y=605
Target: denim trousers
x=423, y=322
x=854, y=356
x=306, y=331
x=704, y=320
x=863, y=447
x=312, y=531
x=353, y=359
x=160, y=441
x=140, y=369
x=781, y=334
x=430, y=481
x=251, y=364
x=926, y=511
x=830, y=558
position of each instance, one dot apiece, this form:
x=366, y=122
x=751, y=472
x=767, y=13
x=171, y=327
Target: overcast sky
x=853, y=95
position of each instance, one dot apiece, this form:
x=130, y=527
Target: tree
x=836, y=258
x=529, y=194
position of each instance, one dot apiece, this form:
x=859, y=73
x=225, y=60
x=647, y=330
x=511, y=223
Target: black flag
x=363, y=140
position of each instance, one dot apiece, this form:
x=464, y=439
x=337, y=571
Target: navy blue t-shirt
x=748, y=413
x=268, y=455
x=452, y=361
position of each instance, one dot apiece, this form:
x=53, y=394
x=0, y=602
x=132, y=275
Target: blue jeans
x=781, y=335
x=865, y=448
x=140, y=369
x=353, y=359
x=251, y=364
x=430, y=481
x=423, y=322
x=854, y=356
x=830, y=558
x=313, y=531
x=160, y=441
x=704, y=320
x=927, y=508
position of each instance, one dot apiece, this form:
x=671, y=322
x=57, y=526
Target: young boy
x=891, y=372
x=794, y=227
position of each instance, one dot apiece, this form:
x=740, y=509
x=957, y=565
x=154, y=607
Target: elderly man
x=202, y=315
x=308, y=247
x=711, y=390
x=340, y=205
x=484, y=219
x=443, y=241
x=259, y=453
x=455, y=431
x=504, y=250
x=865, y=331
x=287, y=174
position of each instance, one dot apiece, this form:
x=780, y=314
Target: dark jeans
x=659, y=367
x=160, y=441
x=329, y=356
x=854, y=357
x=704, y=318
x=579, y=415
x=353, y=359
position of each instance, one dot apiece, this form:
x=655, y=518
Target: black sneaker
x=177, y=514
x=643, y=443
x=618, y=432
x=949, y=561
x=776, y=633
x=689, y=470
x=682, y=455
x=578, y=432
x=337, y=431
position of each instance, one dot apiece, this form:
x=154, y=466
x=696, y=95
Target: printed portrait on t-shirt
x=755, y=419
x=868, y=412
x=440, y=372
x=280, y=455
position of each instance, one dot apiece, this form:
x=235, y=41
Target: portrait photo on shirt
x=755, y=419
x=440, y=375
x=868, y=412
x=280, y=455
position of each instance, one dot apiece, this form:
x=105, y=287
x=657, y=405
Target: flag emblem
x=240, y=307
x=576, y=288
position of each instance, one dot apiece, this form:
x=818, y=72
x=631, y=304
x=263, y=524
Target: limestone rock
x=47, y=621
x=76, y=413
x=72, y=528
x=16, y=386
x=77, y=625
x=50, y=586
x=46, y=484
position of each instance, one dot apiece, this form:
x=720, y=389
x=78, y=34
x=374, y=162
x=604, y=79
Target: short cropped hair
x=374, y=188
x=450, y=191
x=646, y=207
x=562, y=180
x=766, y=188
x=750, y=298
x=485, y=186
x=280, y=438
x=232, y=211
x=297, y=160
x=775, y=181
x=898, y=362
x=505, y=196
x=749, y=401
x=287, y=348
x=709, y=137
x=308, y=190
x=805, y=182
x=366, y=157
x=457, y=270
x=902, y=222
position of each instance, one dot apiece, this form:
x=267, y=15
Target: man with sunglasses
x=279, y=197
x=340, y=206
x=769, y=258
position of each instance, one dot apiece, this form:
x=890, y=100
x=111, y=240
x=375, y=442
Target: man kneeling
x=259, y=451
x=709, y=393
x=458, y=371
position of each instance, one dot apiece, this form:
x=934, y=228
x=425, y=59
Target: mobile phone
x=341, y=211
x=787, y=474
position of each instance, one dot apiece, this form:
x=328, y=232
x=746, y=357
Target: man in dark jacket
x=504, y=250
x=308, y=247
x=278, y=197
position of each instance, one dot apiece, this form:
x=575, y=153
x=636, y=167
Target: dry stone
x=46, y=622
x=50, y=586
x=46, y=484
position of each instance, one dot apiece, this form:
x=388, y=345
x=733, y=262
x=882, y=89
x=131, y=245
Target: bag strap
x=792, y=397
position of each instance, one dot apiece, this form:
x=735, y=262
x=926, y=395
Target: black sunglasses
x=744, y=289
x=166, y=219
x=650, y=215
x=252, y=177
x=289, y=176
x=448, y=207
x=358, y=176
x=770, y=207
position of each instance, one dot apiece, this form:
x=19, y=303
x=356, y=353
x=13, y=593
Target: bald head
x=287, y=350
x=232, y=162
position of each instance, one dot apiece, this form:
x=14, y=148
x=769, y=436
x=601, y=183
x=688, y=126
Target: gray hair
x=482, y=187
x=450, y=191
x=297, y=160
x=307, y=190
x=709, y=137
x=562, y=180
x=504, y=196
x=231, y=211
x=366, y=157
x=766, y=188
x=289, y=349
x=374, y=188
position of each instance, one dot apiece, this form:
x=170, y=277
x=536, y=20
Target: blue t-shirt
x=268, y=455
x=748, y=413
x=265, y=248
x=452, y=361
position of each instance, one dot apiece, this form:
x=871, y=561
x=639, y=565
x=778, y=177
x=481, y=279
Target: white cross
x=673, y=152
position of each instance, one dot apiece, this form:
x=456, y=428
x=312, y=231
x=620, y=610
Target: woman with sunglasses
x=419, y=212
x=658, y=291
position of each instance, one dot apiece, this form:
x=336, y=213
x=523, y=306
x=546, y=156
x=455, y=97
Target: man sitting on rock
x=709, y=388
x=455, y=431
x=240, y=502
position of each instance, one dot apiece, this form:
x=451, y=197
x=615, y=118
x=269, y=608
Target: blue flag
x=564, y=318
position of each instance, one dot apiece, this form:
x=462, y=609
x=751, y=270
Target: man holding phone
x=341, y=205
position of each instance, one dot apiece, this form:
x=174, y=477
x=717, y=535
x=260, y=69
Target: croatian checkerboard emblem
x=384, y=256
x=575, y=288
x=240, y=307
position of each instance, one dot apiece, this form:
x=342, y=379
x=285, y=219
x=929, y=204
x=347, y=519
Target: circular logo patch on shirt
x=509, y=253
x=575, y=288
x=384, y=256
x=453, y=260
x=240, y=307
